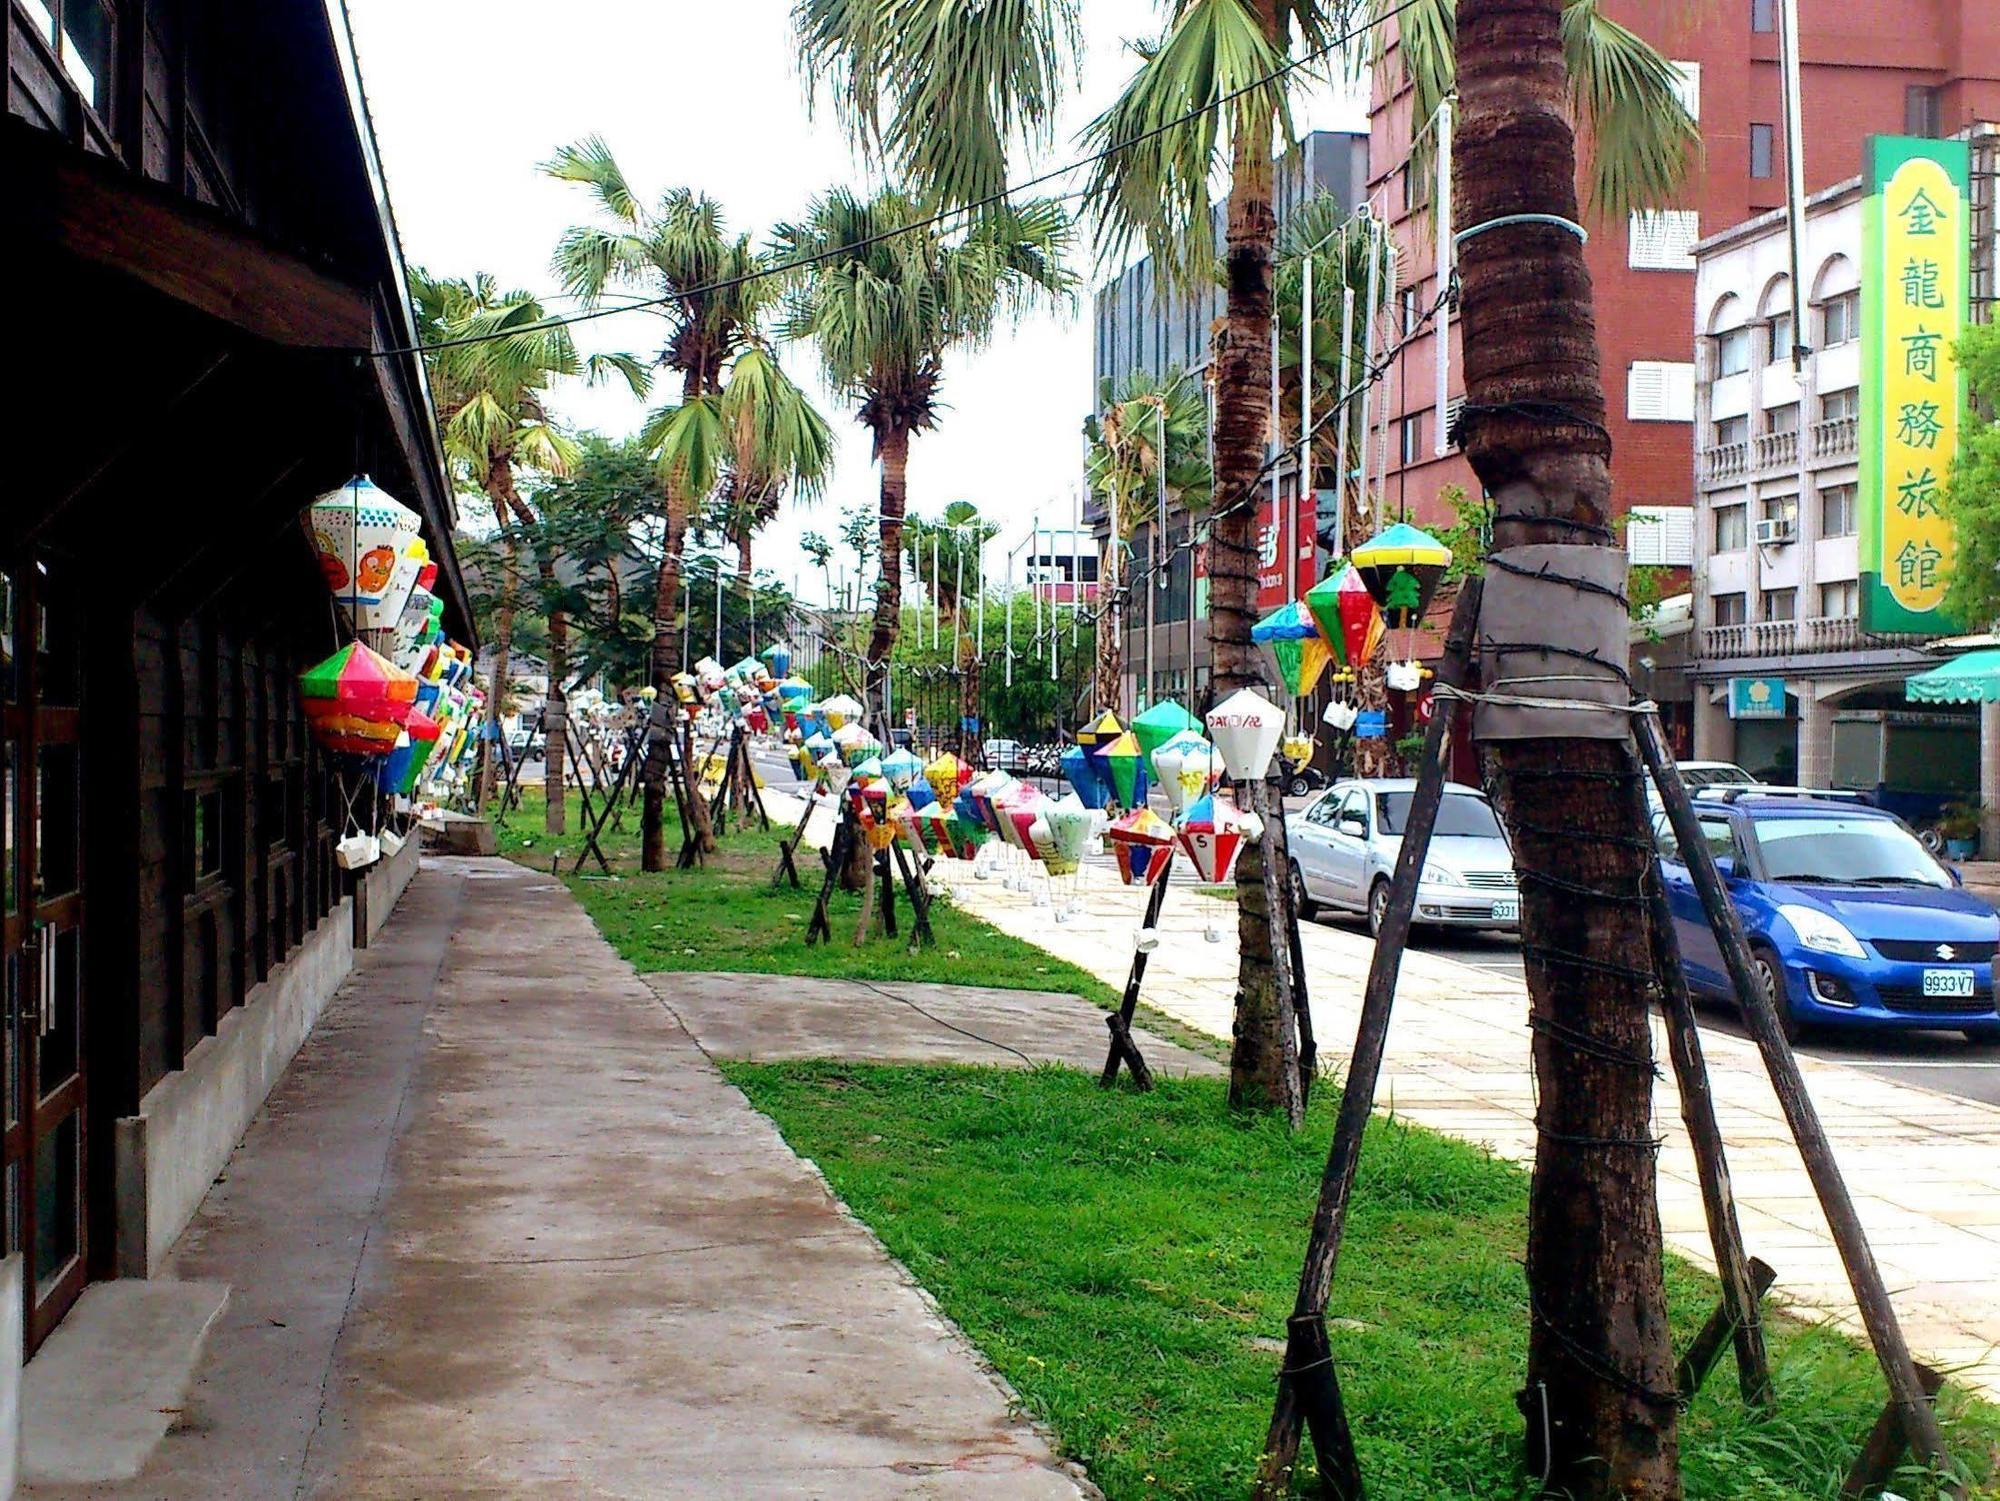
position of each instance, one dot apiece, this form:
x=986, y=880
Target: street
x=1941, y=1061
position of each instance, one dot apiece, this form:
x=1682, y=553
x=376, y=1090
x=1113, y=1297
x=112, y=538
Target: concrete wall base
x=173, y=1149
x=10, y=1373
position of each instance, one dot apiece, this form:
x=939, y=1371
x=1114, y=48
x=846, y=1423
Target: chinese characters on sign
x=1913, y=308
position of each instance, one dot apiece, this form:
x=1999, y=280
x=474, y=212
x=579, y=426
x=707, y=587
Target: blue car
x=1850, y=920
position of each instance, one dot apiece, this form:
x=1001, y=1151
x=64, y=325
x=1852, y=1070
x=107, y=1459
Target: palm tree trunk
x=968, y=689
x=667, y=655
x=1111, y=631
x=555, y=704
x=499, y=487
x=1598, y=1354
x=1263, y=1058
x=894, y=446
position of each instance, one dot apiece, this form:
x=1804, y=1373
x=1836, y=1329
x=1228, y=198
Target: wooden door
x=41, y=939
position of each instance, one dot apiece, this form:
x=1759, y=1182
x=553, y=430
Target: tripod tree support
x=788, y=847
x=1123, y=1049
x=1308, y=1386
x=1907, y=1394
x=1736, y=1317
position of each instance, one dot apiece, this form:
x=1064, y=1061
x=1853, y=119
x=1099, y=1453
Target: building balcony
x=1835, y=439
x=1728, y=461
x=1791, y=638
x=1777, y=450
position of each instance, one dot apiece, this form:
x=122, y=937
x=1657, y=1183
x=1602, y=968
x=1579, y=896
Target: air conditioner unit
x=1775, y=531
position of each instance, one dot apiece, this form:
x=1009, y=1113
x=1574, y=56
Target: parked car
x=1344, y=844
x=1851, y=922
x=1004, y=755
x=1698, y=774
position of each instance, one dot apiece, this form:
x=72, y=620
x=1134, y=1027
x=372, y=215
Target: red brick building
x=1921, y=67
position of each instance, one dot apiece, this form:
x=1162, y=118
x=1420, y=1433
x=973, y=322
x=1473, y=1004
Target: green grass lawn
x=727, y=915
x=1127, y=1262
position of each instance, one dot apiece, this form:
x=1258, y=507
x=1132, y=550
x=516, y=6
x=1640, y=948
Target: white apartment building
x=1787, y=684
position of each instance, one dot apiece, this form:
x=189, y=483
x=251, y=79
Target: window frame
x=1763, y=143
x=1736, y=516
x=1847, y=495
x=1732, y=343
x=1739, y=603
x=1849, y=306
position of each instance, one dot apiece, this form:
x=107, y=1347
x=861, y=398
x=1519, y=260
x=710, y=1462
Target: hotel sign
x=1914, y=297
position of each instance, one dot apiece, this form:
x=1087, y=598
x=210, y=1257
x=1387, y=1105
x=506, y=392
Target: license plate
x=1511, y=912
x=1948, y=982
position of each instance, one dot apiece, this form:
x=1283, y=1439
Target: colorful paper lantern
x=357, y=700
x=1161, y=723
x=1184, y=768
x=842, y=709
x=1122, y=764
x=361, y=533
x=1080, y=770
x=965, y=834
x=778, y=655
x=1402, y=569
x=1069, y=824
x=1142, y=846
x=1296, y=644
x=901, y=768
x=1246, y=728
x=1348, y=619
x=943, y=774
x=1212, y=835
x=1100, y=731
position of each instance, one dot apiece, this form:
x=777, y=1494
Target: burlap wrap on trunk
x=1521, y=611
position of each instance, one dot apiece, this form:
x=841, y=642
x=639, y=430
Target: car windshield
x=1459, y=813
x=1836, y=851
x=1722, y=775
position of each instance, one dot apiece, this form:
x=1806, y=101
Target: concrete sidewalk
x=1924, y=1168
x=504, y=1231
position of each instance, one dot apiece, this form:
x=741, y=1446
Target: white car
x=1344, y=845
x=1713, y=774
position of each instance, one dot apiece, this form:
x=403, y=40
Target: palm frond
x=1640, y=141
x=1164, y=137
x=600, y=368
x=590, y=162
x=691, y=444
x=939, y=88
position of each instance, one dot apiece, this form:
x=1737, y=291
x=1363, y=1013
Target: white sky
x=468, y=96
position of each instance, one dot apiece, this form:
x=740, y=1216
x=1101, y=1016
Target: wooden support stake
x=788, y=848
x=1760, y=1015
x=1883, y=1449
x=1123, y=1049
x=1722, y=1326
x=1295, y=941
x=1738, y=1315
x=921, y=935
x=1308, y=1389
x=821, y=927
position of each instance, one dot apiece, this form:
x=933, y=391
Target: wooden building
x=208, y=307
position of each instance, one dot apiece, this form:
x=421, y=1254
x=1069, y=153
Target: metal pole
x=1305, y=406
x=718, y=607
x=1340, y=424
x=1795, y=171
x=687, y=617
x=937, y=578
x=1010, y=615
x=1373, y=300
x=1446, y=257
x=1075, y=561
x=1275, y=449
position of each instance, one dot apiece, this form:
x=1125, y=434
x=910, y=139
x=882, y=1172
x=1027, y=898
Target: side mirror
x=1957, y=876
x=1355, y=824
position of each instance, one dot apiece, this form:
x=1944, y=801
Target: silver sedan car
x=1344, y=845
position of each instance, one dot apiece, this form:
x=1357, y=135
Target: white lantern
x=361, y=533
x=1341, y=715
x=1246, y=728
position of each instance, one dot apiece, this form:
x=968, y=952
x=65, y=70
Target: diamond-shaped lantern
x=1100, y=731
x=1185, y=768
x=1246, y=728
x=1080, y=769
x=901, y=768
x=842, y=709
x=1122, y=763
x=942, y=772
x=362, y=534
x=1142, y=845
x=1069, y=831
x=1295, y=642
x=1161, y=723
x=1212, y=835
x=357, y=701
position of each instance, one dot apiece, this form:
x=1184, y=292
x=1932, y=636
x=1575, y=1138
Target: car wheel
x=1298, y=787
x=1764, y=964
x=1378, y=908
x=1302, y=903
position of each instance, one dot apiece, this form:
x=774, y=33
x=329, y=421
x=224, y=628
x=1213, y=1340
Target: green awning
x=1971, y=679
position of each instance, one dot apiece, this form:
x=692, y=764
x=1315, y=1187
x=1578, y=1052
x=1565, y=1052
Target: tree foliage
x=1971, y=496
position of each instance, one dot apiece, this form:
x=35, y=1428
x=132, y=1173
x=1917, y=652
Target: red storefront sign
x=1272, y=540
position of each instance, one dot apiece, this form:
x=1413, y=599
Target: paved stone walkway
x=1924, y=1168
x=504, y=1231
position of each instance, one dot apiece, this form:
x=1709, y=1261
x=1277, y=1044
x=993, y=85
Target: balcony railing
x=1775, y=449
x=1834, y=439
x=1786, y=638
x=1727, y=460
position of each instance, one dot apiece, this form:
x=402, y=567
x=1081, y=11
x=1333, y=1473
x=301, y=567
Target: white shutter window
x=1688, y=88
x=1660, y=536
x=1659, y=391
x=1451, y=410
x=1662, y=240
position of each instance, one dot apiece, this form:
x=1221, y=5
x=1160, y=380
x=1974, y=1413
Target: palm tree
x=946, y=555
x=1123, y=468
x=883, y=295
x=495, y=356
x=711, y=291
x=1229, y=65
x=775, y=441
